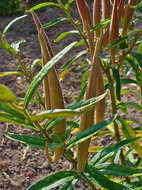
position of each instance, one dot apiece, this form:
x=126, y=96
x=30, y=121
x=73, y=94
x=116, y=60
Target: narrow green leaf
x=138, y=57
x=69, y=112
x=54, y=180
x=117, y=170
x=103, y=181
x=3, y=74
x=4, y=117
x=11, y=23
x=6, y=94
x=131, y=104
x=54, y=22
x=42, y=5
x=35, y=62
x=107, y=152
x=124, y=81
x=134, y=65
x=64, y=34
x=107, y=21
x=43, y=73
x=34, y=142
x=73, y=59
x=6, y=107
x=88, y=133
x=118, y=85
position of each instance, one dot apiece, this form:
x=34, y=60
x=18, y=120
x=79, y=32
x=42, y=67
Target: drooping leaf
x=6, y=94
x=35, y=62
x=4, y=117
x=54, y=22
x=44, y=71
x=54, y=180
x=13, y=22
x=82, y=108
x=88, y=133
x=6, y=107
x=41, y=5
x=32, y=141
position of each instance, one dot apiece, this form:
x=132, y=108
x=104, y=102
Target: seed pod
x=87, y=22
x=113, y=33
x=54, y=89
x=106, y=9
x=84, y=12
x=97, y=15
x=100, y=106
x=120, y=9
x=87, y=119
x=128, y=16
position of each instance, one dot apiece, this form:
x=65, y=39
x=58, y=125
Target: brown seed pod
x=106, y=9
x=128, y=16
x=100, y=106
x=97, y=15
x=87, y=119
x=52, y=89
x=113, y=32
x=120, y=9
x=84, y=11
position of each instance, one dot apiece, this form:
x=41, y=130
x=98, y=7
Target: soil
x=20, y=165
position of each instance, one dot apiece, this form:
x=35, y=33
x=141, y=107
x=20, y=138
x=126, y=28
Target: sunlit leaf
x=12, y=22
x=32, y=141
x=3, y=74
x=64, y=34
x=6, y=94
x=88, y=133
x=42, y=5
x=54, y=180
x=54, y=22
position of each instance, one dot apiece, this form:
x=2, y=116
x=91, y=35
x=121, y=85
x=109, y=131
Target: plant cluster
x=110, y=37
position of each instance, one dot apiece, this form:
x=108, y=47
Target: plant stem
x=114, y=111
x=29, y=75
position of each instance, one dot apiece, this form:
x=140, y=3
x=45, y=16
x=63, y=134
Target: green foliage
x=9, y=7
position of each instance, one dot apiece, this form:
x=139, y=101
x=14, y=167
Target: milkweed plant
x=112, y=42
